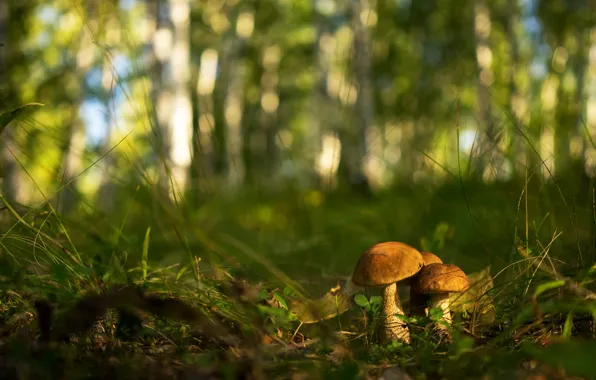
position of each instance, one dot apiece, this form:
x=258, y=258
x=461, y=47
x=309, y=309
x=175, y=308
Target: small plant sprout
x=439, y=280
x=384, y=265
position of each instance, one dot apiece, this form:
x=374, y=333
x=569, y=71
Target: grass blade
x=144, y=261
x=7, y=117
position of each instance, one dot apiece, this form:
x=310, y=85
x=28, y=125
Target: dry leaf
x=476, y=299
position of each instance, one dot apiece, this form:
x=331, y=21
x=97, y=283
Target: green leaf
x=548, y=286
x=361, y=300
x=281, y=301
x=263, y=294
x=60, y=273
x=7, y=117
x=376, y=300
x=144, y=261
x=463, y=344
x=274, y=312
x=576, y=357
x=435, y=314
x=568, y=326
x=181, y=272
x=288, y=291
x=84, y=270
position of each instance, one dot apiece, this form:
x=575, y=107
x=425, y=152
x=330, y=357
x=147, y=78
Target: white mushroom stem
x=441, y=301
x=395, y=328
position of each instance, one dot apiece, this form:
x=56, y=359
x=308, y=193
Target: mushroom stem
x=395, y=328
x=442, y=301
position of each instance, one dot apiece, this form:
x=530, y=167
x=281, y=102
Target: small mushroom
x=439, y=280
x=430, y=258
x=383, y=265
x=418, y=301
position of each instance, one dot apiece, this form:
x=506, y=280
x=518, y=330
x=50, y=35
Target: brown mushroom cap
x=430, y=258
x=440, y=278
x=387, y=263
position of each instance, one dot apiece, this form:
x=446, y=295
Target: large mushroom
x=384, y=265
x=418, y=301
x=439, y=280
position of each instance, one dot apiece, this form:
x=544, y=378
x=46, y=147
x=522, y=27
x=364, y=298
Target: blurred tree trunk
x=9, y=173
x=486, y=162
x=269, y=107
x=170, y=74
x=152, y=55
x=109, y=81
x=543, y=124
x=354, y=142
x=251, y=157
x=318, y=100
x=567, y=109
x=179, y=123
x=580, y=66
x=590, y=154
x=233, y=75
x=563, y=122
x=159, y=39
x=203, y=154
x=228, y=55
x=207, y=102
x=590, y=126
x=234, y=107
x=107, y=190
x=72, y=163
x=517, y=99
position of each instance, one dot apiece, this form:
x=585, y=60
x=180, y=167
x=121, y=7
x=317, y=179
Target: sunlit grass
x=245, y=263
x=259, y=283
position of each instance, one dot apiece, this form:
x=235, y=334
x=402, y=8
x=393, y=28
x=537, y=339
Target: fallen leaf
x=326, y=307
x=476, y=298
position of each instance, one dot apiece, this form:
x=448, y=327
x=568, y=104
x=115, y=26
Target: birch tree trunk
x=171, y=91
x=180, y=113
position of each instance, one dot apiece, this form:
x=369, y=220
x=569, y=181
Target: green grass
x=241, y=265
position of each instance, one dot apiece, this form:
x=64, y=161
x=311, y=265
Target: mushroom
x=430, y=258
x=419, y=301
x=438, y=280
x=383, y=265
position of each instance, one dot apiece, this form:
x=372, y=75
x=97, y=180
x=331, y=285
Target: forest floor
x=227, y=291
